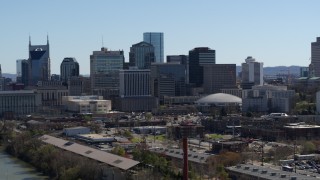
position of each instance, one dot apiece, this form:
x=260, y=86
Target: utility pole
x=262, y=154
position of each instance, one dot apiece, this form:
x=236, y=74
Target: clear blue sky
x=275, y=32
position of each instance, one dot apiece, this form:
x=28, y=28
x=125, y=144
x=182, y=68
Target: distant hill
x=8, y=75
x=278, y=70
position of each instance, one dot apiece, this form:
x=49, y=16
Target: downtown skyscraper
x=156, y=39
x=39, y=63
x=315, y=59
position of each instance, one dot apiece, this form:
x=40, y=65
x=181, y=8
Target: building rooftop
x=101, y=156
x=178, y=153
x=219, y=98
x=18, y=92
x=74, y=128
x=263, y=172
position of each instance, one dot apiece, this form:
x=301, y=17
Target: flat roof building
x=86, y=104
x=100, y=156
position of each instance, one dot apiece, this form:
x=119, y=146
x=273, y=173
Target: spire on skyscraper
x=47, y=39
x=0, y=72
x=29, y=40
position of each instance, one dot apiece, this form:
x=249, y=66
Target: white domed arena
x=217, y=100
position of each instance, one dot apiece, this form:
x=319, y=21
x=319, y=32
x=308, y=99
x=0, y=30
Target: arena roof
x=219, y=99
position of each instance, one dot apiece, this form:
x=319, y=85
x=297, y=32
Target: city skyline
x=276, y=33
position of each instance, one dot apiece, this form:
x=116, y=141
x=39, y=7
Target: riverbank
x=12, y=168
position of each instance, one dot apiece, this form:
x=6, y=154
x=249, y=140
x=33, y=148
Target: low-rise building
x=247, y=171
x=76, y=130
x=86, y=104
x=22, y=102
x=95, y=138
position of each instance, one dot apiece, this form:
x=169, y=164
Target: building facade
x=168, y=79
x=22, y=102
x=218, y=76
x=2, y=81
x=86, y=104
x=104, y=72
x=197, y=58
x=141, y=55
x=252, y=72
x=68, y=68
x=78, y=86
x=268, y=98
x=156, y=39
x=180, y=59
x=24, y=73
x=315, y=59
x=135, y=83
x=39, y=63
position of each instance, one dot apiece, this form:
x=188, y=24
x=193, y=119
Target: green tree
x=118, y=150
x=308, y=147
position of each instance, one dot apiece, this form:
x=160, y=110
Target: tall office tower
x=252, y=73
x=218, y=76
x=19, y=67
x=68, y=68
x=39, y=63
x=135, y=92
x=156, y=39
x=135, y=82
x=172, y=75
x=25, y=72
x=197, y=58
x=2, y=81
x=141, y=55
x=104, y=72
x=315, y=59
x=181, y=59
x=78, y=86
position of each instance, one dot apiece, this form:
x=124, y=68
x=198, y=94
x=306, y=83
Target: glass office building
x=156, y=39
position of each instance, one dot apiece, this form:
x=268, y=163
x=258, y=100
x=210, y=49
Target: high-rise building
x=135, y=92
x=68, y=68
x=104, y=72
x=78, y=86
x=172, y=75
x=135, y=82
x=180, y=59
x=2, y=81
x=218, y=76
x=141, y=55
x=39, y=63
x=315, y=59
x=156, y=39
x=25, y=72
x=252, y=72
x=197, y=58
x=19, y=67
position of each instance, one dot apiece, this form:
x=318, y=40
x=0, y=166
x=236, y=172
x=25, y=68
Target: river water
x=14, y=169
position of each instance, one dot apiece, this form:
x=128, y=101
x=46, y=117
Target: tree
x=118, y=150
x=148, y=116
x=308, y=147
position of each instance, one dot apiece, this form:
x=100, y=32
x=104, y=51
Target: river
x=14, y=169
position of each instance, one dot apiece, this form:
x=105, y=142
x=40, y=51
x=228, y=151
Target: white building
x=76, y=130
x=267, y=97
x=86, y=104
x=252, y=71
